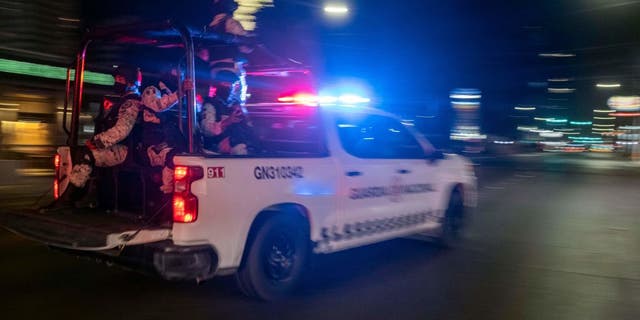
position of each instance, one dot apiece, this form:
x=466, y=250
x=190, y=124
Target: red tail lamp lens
x=56, y=189
x=185, y=203
x=185, y=208
x=180, y=173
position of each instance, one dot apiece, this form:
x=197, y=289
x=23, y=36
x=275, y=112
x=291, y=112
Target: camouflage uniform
x=220, y=122
x=161, y=139
x=220, y=132
x=110, y=147
x=108, y=151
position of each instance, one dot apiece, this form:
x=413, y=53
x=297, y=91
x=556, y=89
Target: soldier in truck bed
x=129, y=116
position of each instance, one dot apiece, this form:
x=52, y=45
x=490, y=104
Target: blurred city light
x=608, y=85
x=551, y=134
x=556, y=55
x=624, y=103
x=581, y=123
x=465, y=96
x=625, y=114
x=51, y=72
x=68, y=19
x=558, y=79
x=467, y=103
x=525, y=108
x=561, y=90
x=246, y=12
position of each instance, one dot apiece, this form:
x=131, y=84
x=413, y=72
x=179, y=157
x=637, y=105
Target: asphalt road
x=554, y=237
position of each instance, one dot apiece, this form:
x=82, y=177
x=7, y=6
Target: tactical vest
x=167, y=131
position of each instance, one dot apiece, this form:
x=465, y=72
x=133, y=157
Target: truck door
x=384, y=182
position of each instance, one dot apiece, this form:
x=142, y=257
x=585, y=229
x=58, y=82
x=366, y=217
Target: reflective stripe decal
x=376, y=226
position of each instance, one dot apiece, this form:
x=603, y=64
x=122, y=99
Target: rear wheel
x=452, y=227
x=275, y=260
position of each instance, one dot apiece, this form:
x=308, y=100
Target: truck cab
x=324, y=174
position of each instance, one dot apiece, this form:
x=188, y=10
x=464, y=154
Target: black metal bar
x=77, y=94
x=132, y=28
x=66, y=102
x=192, y=123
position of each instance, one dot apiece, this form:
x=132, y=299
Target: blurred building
x=39, y=38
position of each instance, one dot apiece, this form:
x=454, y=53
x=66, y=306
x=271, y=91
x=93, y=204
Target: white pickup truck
x=327, y=177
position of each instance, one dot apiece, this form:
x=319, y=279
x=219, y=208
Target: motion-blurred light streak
x=246, y=12
x=51, y=72
x=608, y=85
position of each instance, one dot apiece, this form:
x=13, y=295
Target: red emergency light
x=624, y=114
x=306, y=99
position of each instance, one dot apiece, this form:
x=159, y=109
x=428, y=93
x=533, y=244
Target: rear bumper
x=163, y=258
x=174, y=262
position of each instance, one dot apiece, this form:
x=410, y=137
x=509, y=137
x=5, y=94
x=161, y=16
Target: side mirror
x=434, y=156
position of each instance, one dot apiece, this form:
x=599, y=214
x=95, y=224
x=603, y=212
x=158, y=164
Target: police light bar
x=314, y=100
x=300, y=98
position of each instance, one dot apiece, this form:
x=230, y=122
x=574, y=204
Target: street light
x=336, y=9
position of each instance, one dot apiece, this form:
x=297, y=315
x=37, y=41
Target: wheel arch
x=295, y=210
x=450, y=189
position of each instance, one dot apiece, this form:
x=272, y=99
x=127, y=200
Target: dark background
x=412, y=53
x=409, y=54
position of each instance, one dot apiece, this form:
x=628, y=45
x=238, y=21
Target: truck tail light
x=56, y=184
x=56, y=188
x=185, y=203
x=185, y=208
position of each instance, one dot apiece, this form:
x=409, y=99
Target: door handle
x=403, y=171
x=353, y=173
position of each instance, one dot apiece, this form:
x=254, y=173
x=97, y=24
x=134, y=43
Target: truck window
x=280, y=134
x=376, y=136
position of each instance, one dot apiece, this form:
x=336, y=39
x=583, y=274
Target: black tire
x=276, y=258
x=453, y=225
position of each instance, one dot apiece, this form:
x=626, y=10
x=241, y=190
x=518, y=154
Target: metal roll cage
x=164, y=32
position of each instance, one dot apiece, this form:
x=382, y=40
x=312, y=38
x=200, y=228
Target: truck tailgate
x=90, y=230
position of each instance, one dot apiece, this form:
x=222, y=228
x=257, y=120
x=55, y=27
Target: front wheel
x=452, y=227
x=275, y=259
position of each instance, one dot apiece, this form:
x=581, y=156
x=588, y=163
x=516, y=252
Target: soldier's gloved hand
x=163, y=88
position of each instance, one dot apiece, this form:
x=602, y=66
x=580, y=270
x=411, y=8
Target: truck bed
x=82, y=229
